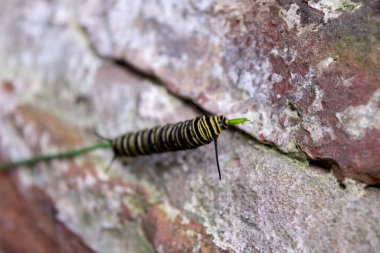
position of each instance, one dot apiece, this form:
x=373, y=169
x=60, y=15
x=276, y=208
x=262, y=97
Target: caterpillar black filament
x=171, y=137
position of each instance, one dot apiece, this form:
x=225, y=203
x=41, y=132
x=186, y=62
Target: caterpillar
x=171, y=137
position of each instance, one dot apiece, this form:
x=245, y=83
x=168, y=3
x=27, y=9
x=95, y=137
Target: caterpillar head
x=222, y=120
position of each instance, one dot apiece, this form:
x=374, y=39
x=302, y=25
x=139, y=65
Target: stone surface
x=63, y=73
x=28, y=225
x=305, y=72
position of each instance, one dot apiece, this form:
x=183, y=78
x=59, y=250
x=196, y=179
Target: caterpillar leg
x=216, y=156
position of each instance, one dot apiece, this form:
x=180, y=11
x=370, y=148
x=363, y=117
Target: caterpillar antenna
x=97, y=134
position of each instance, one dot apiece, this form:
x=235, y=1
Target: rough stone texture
x=28, y=225
x=304, y=72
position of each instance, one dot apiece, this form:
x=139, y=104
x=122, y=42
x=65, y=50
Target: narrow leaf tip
x=236, y=121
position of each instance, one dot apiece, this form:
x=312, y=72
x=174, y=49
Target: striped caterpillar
x=171, y=137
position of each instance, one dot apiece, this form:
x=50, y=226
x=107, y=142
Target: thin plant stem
x=59, y=155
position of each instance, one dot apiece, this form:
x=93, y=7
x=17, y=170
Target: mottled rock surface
x=304, y=72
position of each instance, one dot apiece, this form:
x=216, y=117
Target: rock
x=303, y=72
x=296, y=70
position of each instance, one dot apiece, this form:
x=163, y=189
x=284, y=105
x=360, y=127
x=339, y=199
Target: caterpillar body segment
x=171, y=137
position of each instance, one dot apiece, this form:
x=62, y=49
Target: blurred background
x=301, y=176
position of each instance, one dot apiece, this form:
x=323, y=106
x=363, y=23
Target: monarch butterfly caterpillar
x=171, y=137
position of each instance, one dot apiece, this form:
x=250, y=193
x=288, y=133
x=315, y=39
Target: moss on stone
x=355, y=47
x=134, y=204
x=141, y=243
x=348, y=6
